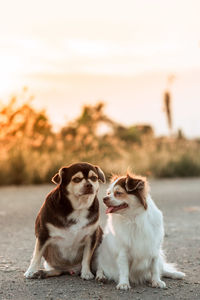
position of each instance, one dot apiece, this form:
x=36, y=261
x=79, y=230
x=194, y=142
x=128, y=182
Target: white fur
x=77, y=196
x=131, y=247
x=67, y=239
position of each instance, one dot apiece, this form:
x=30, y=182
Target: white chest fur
x=70, y=238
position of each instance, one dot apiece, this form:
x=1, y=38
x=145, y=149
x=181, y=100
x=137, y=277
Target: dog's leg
x=123, y=268
x=87, y=255
x=41, y=274
x=100, y=275
x=36, y=259
x=155, y=274
x=48, y=272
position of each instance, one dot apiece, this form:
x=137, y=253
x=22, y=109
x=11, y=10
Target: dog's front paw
x=87, y=275
x=160, y=284
x=30, y=273
x=40, y=274
x=123, y=286
x=100, y=277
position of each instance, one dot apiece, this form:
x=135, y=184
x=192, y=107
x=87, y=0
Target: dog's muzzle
x=106, y=199
x=88, y=189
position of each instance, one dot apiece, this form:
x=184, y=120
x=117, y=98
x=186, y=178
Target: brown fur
x=135, y=185
x=57, y=206
x=53, y=257
x=56, y=211
x=93, y=212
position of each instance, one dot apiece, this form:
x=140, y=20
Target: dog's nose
x=106, y=199
x=88, y=185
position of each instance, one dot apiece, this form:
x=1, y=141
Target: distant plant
x=133, y=134
x=24, y=132
x=31, y=152
x=167, y=108
x=82, y=138
x=23, y=125
x=168, y=102
x=184, y=166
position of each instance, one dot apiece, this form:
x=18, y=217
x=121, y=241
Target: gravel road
x=179, y=200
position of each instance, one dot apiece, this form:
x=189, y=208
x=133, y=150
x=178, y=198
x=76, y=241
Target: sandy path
x=179, y=200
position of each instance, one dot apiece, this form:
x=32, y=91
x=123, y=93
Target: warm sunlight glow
x=9, y=73
x=120, y=52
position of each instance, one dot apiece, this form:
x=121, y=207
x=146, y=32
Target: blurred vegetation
x=31, y=152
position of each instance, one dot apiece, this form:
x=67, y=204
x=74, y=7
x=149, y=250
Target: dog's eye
x=117, y=193
x=94, y=178
x=77, y=179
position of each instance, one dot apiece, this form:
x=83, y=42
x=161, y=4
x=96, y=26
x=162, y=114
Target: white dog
x=131, y=249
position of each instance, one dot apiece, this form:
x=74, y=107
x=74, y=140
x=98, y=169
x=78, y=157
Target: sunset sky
x=120, y=51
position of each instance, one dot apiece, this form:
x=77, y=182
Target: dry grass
x=30, y=152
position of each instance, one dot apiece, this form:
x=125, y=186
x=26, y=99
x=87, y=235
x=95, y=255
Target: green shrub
x=185, y=166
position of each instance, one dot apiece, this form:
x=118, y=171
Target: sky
x=71, y=53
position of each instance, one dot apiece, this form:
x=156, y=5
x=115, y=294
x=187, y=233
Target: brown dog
x=67, y=226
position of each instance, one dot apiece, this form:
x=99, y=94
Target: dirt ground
x=179, y=200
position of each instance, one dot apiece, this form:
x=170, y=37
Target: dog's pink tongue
x=109, y=209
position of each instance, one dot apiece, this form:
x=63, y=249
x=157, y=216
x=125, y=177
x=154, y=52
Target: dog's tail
x=169, y=270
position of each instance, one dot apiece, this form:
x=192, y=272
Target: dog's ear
x=100, y=174
x=138, y=187
x=132, y=184
x=58, y=177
